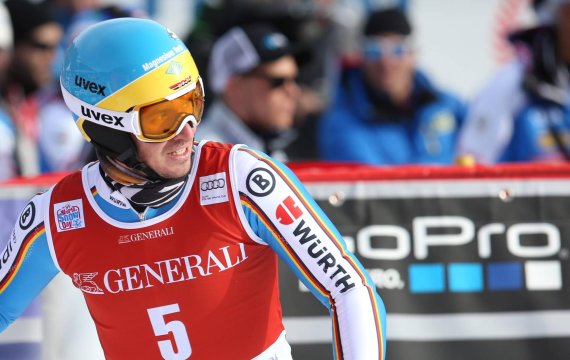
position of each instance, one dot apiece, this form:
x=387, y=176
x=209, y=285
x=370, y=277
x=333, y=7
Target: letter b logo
x=260, y=182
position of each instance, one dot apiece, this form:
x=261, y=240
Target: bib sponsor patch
x=213, y=189
x=69, y=215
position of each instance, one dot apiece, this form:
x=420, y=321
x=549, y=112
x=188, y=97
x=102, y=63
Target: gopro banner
x=471, y=264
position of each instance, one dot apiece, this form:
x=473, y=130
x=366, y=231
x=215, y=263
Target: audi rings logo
x=213, y=189
x=212, y=184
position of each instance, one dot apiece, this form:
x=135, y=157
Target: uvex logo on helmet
x=98, y=116
x=90, y=85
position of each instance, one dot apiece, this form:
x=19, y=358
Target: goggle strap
x=118, y=120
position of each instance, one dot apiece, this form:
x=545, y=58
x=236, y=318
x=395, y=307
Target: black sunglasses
x=275, y=81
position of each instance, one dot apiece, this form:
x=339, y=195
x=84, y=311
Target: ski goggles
x=157, y=121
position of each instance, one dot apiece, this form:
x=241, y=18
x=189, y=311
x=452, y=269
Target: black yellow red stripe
x=330, y=234
x=336, y=334
x=246, y=201
x=27, y=243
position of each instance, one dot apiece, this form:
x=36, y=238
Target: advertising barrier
x=472, y=263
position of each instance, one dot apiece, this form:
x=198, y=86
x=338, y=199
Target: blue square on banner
x=465, y=277
x=427, y=278
x=504, y=275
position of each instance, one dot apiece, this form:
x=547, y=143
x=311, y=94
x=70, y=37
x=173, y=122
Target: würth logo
x=90, y=85
x=106, y=118
x=288, y=211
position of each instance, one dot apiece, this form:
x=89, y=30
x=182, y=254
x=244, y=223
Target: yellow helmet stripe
x=166, y=79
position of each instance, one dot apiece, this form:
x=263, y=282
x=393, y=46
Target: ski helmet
x=130, y=78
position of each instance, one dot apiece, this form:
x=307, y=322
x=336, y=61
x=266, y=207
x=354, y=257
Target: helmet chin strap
x=127, y=169
x=119, y=158
x=134, y=183
x=120, y=173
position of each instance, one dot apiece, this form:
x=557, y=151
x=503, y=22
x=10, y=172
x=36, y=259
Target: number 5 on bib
x=177, y=328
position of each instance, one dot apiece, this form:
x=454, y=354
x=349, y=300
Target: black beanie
x=391, y=20
x=27, y=16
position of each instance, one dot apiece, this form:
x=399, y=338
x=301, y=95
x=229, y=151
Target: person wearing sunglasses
x=385, y=110
x=8, y=166
x=45, y=143
x=256, y=91
x=174, y=243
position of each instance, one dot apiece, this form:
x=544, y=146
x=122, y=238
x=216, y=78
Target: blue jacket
x=523, y=113
x=541, y=126
x=541, y=132
x=353, y=129
x=8, y=166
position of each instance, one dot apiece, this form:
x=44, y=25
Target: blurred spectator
x=6, y=41
x=351, y=15
x=82, y=19
x=386, y=111
x=47, y=138
x=207, y=27
x=253, y=73
x=309, y=25
x=8, y=166
x=65, y=10
x=307, y=22
x=76, y=15
x=523, y=114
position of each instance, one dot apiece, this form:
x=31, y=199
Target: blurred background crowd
x=381, y=82
x=318, y=80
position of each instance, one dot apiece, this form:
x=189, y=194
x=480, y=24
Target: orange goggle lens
x=163, y=120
